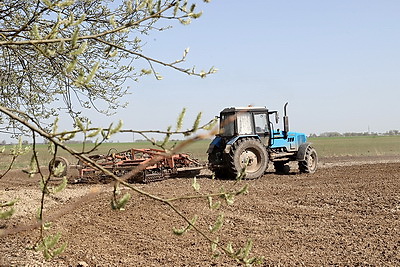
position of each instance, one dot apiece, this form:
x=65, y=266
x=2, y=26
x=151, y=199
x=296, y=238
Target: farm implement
x=149, y=165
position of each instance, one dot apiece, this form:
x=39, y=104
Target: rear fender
x=215, y=143
x=301, y=154
x=233, y=140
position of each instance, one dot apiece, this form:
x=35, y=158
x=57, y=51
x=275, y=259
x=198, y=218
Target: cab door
x=261, y=127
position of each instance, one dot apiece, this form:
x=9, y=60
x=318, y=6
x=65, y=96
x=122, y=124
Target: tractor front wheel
x=309, y=165
x=249, y=158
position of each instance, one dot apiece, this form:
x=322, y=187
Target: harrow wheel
x=54, y=163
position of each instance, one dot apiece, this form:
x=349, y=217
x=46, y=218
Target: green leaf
x=195, y=15
x=33, y=165
x=35, y=32
x=39, y=210
x=197, y=122
x=185, y=229
x=61, y=186
x=185, y=21
x=147, y=72
x=47, y=3
x=51, y=148
x=59, y=169
x=80, y=20
x=9, y=203
x=180, y=120
x=195, y=185
x=214, y=248
x=179, y=231
x=47, y=225
x=95, y=133
x=60, y=250
x=229, y=198
x=112, y=21
x=80, y=50
x=212, y=205
x=92, y=72
x=47, y=245
x=218, y=224
x=167, y=136
x=244, y=190
x=55, y=125
x=66, y=3
x=247, y=248
x=7, y=214
x=74, y=38
x=121, y=203
x=71, y=66
x=51, y=241
x=46, y=254
x=229, y=248
x=117, y=128
x=211, y=125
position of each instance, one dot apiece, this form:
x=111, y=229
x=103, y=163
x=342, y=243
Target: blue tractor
x=248, y=141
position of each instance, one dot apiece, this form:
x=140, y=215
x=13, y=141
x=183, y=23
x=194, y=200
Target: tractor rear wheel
x=248, y=156
x=309, y=165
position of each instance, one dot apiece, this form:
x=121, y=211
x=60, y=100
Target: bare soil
x=346, y=214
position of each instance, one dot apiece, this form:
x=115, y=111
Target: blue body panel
x=291, y=143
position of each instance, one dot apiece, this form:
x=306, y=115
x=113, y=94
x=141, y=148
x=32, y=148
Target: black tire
x=59, y=160
x=215, y=159
x=281, y=167
x=310, y=163
x=250, y=152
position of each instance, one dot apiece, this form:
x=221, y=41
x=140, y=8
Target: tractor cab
x=245, y=121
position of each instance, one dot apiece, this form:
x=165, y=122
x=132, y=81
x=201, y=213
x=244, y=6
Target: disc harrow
x=143, y=165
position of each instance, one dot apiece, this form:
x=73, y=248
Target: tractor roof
x=244, y=109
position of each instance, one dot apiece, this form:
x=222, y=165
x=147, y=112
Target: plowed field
x=348, y=213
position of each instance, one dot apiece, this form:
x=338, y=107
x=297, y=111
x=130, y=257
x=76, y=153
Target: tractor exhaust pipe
x=285, y=121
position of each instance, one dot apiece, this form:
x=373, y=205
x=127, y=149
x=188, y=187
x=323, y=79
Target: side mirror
x=277, y=117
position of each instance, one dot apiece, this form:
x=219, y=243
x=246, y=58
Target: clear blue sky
x=337, y=63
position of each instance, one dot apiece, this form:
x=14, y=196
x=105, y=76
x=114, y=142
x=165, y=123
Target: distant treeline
x=337, y=134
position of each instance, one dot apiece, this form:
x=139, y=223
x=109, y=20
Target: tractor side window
x=261, y=123
x=244, y=123
x=227, y=126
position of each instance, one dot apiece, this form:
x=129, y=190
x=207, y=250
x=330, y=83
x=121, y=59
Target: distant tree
x=393, y=132
x=330, y=134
